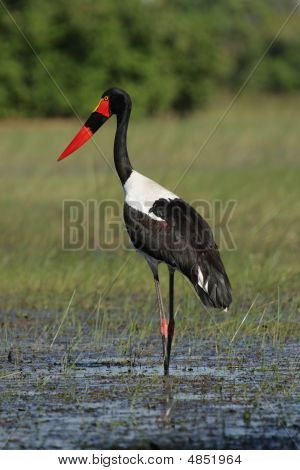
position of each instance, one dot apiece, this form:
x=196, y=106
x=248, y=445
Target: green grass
x=253, y=158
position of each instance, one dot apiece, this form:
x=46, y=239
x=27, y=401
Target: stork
x=162, y=226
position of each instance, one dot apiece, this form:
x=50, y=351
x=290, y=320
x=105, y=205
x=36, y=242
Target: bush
x=169, y=54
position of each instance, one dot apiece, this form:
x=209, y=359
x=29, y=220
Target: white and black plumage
x=161, y=226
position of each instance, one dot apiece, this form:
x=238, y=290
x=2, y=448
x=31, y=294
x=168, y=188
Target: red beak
x=94, y=122
x=80, y=138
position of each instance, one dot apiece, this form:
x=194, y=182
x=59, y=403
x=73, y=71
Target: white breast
x=141, y=193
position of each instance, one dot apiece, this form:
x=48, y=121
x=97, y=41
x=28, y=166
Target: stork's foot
x=166, y=356
x=166, y=365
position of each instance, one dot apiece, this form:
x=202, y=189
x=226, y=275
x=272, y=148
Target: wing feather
x=183, y=239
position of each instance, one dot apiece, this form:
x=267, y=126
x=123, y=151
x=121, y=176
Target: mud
x=86, y=394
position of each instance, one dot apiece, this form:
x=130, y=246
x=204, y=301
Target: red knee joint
x=164, y=327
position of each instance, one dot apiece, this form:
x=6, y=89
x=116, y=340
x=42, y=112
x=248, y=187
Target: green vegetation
x=252, y=158
x=196, y=46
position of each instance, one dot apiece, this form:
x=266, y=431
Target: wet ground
x=87, y=394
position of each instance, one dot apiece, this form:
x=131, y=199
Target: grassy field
x=253, y=159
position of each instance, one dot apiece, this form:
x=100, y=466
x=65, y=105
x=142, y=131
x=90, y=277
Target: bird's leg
x=171, y=324
x=153, y=264
x=163, y=320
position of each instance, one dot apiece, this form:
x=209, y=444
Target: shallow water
x=83, y=395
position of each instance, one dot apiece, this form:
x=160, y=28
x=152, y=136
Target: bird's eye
x=105, y=98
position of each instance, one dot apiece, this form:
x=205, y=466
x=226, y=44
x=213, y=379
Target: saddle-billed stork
x=161, y=226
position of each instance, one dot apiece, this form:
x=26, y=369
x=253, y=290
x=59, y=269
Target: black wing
x=182, y=239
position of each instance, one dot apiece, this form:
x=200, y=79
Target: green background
x=169, y=54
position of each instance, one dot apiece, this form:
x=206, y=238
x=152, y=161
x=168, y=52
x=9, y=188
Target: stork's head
x=113, y=101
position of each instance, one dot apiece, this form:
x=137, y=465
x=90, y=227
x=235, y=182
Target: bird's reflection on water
x=168, y=403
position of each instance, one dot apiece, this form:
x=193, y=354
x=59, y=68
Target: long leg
x=163, y=321
x=171, y=325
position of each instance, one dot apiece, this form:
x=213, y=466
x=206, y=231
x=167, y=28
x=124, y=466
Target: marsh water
x=83, y=393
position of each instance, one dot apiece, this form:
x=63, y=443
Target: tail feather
x=213, y=287
x=218, y=295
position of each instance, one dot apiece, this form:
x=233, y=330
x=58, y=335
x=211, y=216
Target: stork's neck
x=122, y=162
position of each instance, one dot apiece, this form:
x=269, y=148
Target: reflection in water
x=168, y=403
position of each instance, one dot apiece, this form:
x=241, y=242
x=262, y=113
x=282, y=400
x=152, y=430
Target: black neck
x=122, y=163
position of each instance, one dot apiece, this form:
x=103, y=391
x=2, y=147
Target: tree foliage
x=169, y=54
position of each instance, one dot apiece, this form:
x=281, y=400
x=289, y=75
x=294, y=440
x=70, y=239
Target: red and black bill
x=98, y=117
